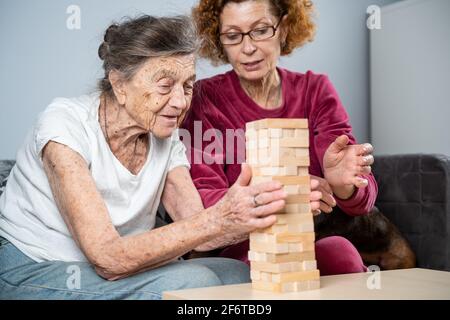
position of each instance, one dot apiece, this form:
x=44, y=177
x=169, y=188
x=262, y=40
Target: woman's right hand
x=322, y=199
x=245, y=208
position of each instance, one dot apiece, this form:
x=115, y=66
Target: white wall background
x=41, y=59
x=411, y=78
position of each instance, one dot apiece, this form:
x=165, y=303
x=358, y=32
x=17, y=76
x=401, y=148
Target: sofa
x=414, y=195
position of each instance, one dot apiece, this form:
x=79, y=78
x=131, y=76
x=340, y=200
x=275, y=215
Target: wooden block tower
x=282, y=257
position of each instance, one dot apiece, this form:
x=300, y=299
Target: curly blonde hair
x=299, y=21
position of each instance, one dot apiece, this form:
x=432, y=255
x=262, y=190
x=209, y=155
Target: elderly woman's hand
x=322, y=199
x=344, y=165
x=247, y=208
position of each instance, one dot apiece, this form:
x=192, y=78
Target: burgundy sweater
x=221, y=103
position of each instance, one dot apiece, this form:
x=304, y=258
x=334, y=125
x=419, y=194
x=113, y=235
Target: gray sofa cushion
x=5, y=168
x=414, y=193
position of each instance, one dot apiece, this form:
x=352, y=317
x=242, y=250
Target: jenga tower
x=282, y=257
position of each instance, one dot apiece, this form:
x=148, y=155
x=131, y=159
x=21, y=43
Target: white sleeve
x=177, y=153
x=60, y=125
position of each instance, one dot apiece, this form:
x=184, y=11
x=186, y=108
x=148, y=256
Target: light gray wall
x=41, y=59
x=410, y=79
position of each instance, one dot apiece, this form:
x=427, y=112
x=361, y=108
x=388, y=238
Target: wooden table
x=393, y=285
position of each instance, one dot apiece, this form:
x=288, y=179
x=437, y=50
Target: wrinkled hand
x=322, y=199
x=344, y=165
x=237, y=211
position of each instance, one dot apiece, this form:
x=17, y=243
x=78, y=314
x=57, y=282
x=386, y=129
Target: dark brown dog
x=377, y=240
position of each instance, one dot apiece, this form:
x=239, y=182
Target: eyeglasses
x=258, y=34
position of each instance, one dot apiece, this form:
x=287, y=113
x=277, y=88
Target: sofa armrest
x=414, y=193
x=5, y=169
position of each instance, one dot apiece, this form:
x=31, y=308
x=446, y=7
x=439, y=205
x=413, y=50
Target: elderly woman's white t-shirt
x=29, y=217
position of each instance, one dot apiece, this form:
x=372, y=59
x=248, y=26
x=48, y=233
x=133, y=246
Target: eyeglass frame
x=243, y=34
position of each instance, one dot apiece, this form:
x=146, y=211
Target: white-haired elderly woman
x=78, y=213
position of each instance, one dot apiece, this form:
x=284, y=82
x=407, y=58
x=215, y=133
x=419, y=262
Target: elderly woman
x=251, y=35
x=79, y=207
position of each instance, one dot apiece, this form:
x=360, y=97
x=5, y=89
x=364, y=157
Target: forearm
x=362, y=200
x=125, y=256
x=222, y=242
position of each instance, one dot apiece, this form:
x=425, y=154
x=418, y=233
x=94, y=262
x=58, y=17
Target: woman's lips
x=252, y=66
x=172, y=120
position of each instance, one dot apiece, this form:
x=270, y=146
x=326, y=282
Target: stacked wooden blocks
x=282, y=257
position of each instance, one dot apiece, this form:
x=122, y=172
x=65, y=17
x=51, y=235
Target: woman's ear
x=118, y=86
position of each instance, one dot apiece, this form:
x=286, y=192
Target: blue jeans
x=23, y=278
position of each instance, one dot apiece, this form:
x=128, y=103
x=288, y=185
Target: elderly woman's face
x=252, y=60
x=160, y=93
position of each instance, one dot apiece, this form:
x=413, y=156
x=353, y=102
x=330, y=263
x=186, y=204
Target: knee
x=229, y=271
x=337, y=255
x=194, y=276
x=233, y=271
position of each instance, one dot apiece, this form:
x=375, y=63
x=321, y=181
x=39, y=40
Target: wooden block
x=289, y=161
x=314, y=284
x=281, y=258
x=268, y=286
x=299, y=208
x=289, y=133
x=255, y=274
x=252, y=159
x=275, y=133
x=301, y=247
x=301, y=228
x=295, y=237
x=278, y=124
x=276, y=228
x=289, y=228
x=301, y=152
x=261, y=266
x=264, y=157
x=303, y=171
x=298, y=198
x=263, y=134
x=251, y=145
x=282, y=237
x=297, y=189
x=277, y=153
x=298, y=133
x=290, y=180
x=267, y=247
x=290, y=142
x=295, y=276
x=275, y=171
x=294, y=218
x=264, y=143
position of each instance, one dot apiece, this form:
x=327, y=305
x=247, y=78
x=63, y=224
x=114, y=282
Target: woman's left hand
x=344, y=165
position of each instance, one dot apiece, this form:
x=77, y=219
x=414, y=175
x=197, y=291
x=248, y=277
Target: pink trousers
x=334, y=255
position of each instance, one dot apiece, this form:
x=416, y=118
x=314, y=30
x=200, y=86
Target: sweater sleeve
x=330, y=120
x=207, y=163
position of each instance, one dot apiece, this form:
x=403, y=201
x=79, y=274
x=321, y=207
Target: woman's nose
x=247, y=45
x=178, y=99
